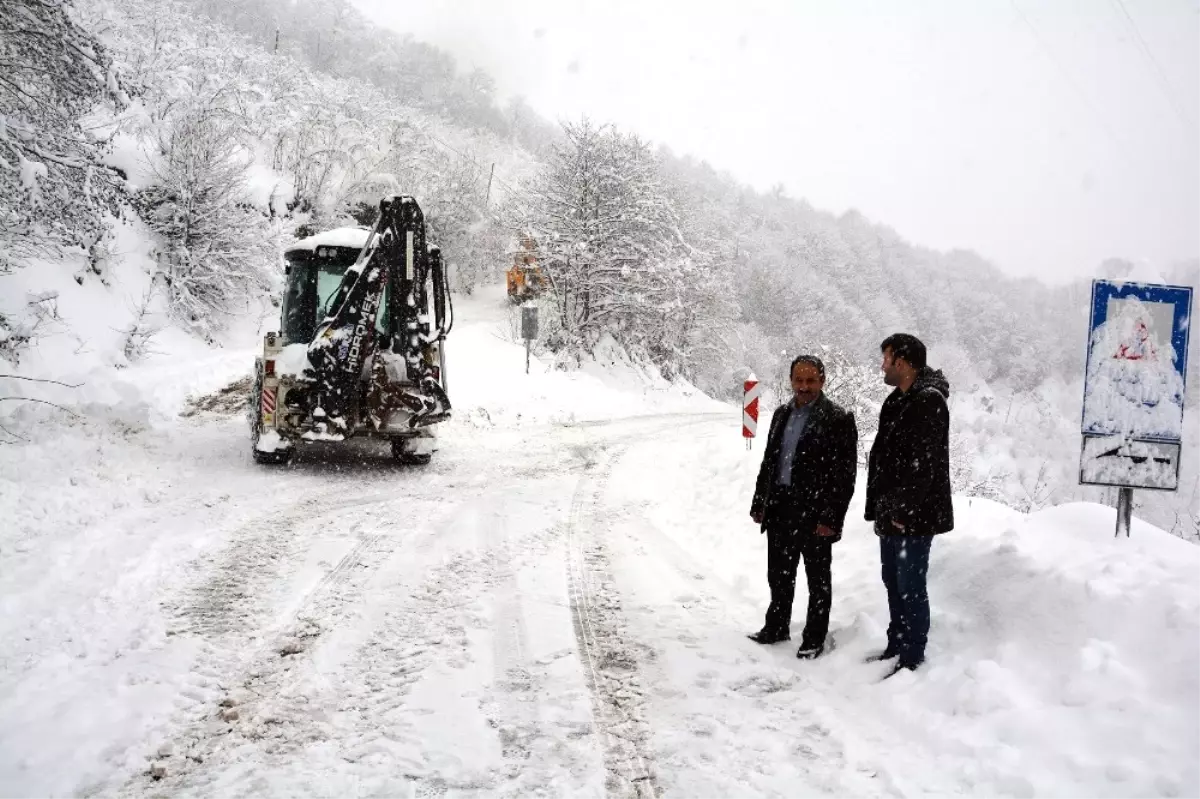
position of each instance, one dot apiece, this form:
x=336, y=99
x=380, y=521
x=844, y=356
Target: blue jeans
x=905, y=560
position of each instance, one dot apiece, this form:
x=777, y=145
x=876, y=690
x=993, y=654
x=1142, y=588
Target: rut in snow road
x=610, y=668
x=291, y=663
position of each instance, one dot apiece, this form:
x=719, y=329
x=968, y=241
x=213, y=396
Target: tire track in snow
x=544, y=751
x=253, y=682
x=610, y=668
x=515, y=709
x=245, y=651
x=284, y=703
x=430, y=625
x=233, y=599
x=610, y=664
x=517, y=716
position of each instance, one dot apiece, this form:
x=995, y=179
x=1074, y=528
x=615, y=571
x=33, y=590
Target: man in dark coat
x=804, y=487
x=908, y=491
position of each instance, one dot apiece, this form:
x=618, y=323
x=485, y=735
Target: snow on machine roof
x=355, y=237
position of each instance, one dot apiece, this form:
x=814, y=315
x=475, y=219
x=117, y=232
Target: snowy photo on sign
x=1133, y=387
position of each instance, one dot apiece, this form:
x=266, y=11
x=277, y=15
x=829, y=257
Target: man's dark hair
x=811, y=360
x=905, y=346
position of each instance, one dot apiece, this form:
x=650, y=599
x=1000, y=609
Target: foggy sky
x=1039, y=133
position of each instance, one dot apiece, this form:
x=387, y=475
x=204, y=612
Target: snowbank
x=81, y=339
x=1068, y=657
x=1061, y=662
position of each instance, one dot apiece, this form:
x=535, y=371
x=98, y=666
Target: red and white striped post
x=750, y=393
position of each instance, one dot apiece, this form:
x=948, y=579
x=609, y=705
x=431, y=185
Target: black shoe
x=904, y=666
x=886, y=654
x=765, y=636
x=809, y=652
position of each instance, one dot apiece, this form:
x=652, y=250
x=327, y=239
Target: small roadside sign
x=529, y=321
x=751, y=392
x=529, y=328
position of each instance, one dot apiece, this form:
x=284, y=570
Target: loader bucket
x=429, y=404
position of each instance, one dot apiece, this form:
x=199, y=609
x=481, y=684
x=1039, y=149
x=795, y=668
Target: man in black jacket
x=908, y=490
x=804, y=487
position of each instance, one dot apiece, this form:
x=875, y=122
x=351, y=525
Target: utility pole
x=276, y=50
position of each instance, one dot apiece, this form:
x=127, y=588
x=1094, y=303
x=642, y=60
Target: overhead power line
x=466, y=157
x=1066, y=74
x=1161, y=78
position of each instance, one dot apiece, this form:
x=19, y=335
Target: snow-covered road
x=343, y=625
x=450, y=628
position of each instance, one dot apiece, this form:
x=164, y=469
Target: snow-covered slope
x=84, y=329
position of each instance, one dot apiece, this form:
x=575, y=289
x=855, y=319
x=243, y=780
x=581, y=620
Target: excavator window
x=313, y=277
x=328, y=280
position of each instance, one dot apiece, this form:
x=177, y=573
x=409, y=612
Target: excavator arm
x=392, y=278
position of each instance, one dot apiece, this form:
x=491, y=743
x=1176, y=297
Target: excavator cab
x=361, y=346
x=314, y=273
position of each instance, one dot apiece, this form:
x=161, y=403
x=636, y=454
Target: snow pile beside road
x=108, y=343
x=1062, y=661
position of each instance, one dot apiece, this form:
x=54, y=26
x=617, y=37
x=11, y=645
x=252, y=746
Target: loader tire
x=277, y=458
x=272, y=458
x=403, y=454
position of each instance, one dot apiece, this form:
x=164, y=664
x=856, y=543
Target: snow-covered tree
x=612, y=242
x=55, y=189
x=217, y=247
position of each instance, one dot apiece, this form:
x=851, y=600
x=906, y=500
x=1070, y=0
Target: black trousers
x=791, y=535
x=905, y=562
